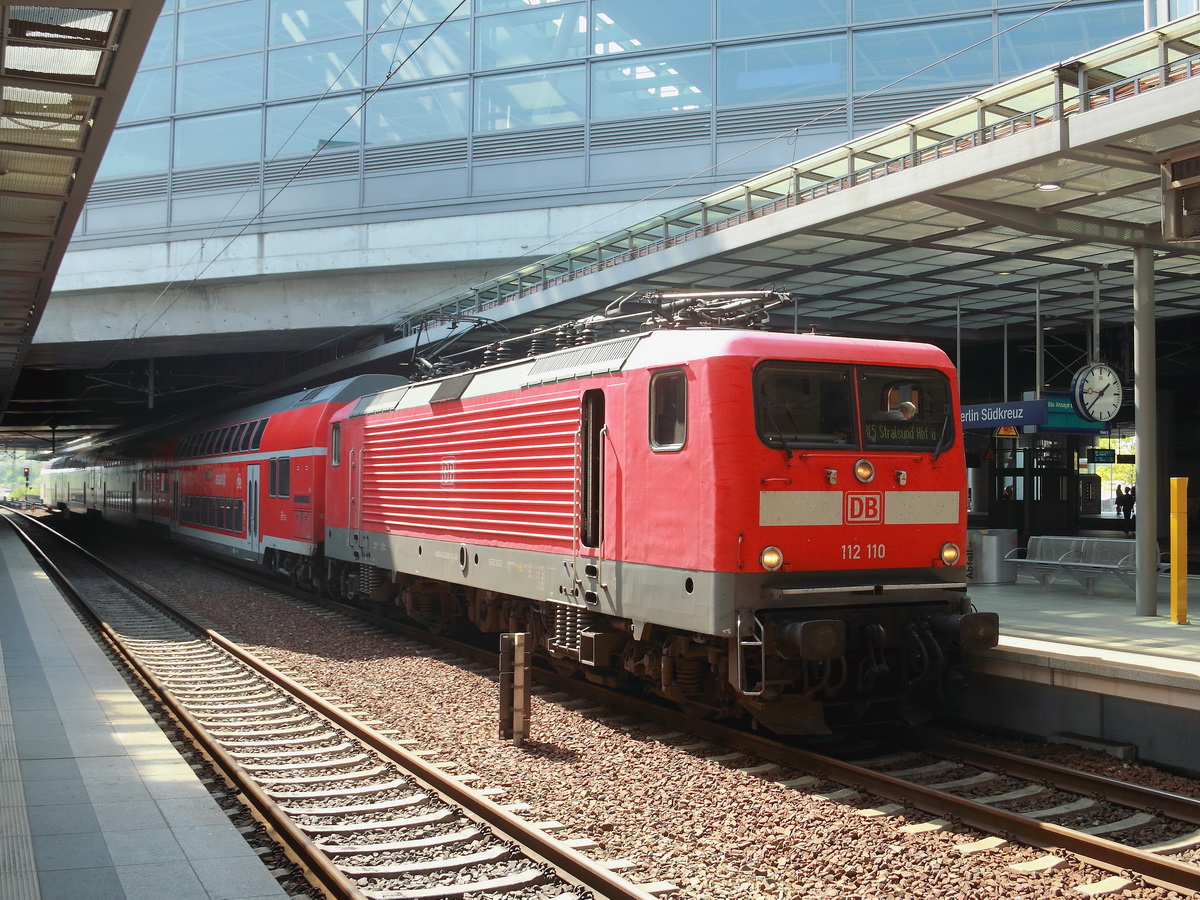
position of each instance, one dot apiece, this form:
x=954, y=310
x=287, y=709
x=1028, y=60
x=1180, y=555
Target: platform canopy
x=960, y=221
x=64, y=74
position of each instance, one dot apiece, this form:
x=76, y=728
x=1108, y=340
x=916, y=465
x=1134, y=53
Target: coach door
x=354, y=491
x=591, y=492
x=252, y=499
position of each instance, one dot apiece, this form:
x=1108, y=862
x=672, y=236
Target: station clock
x=1096, y=392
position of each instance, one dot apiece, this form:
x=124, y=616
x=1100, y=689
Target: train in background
x=741, y=521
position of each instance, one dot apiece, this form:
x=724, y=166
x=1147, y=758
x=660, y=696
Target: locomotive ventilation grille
x=590, y=359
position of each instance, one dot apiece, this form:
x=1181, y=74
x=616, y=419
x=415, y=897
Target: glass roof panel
x=83, y=27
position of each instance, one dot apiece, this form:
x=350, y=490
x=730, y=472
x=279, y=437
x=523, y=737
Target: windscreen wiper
x=942, y=444
x=779, y=432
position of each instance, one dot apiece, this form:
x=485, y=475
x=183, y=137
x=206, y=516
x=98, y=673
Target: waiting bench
x=1083, y=558
x=1044, y=557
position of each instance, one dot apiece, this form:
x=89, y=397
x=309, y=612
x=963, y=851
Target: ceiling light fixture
x=1048, y=186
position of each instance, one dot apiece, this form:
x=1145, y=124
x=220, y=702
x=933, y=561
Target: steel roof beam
x=1066, y=225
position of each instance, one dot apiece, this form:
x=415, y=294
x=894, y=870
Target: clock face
x=1096, y=392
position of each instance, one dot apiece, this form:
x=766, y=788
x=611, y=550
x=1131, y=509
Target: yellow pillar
x=1179, y=551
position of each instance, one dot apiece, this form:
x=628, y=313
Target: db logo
x=448, y=472
x=866, y=508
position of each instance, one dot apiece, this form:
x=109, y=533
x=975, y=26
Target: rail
x=539, y=845
x=1155, y=867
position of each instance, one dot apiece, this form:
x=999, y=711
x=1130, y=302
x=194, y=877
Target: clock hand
x=1099, y=394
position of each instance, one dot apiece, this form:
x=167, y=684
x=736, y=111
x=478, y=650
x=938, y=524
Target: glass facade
x=488, y=83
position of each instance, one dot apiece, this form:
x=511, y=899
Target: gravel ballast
x=680, y=817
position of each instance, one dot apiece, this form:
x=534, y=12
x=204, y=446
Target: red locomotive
x=740, y=520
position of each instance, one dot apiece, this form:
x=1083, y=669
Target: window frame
x=680, y=398
x=772, y=433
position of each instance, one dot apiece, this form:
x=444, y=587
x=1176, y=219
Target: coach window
x=279, y=477
x=668, y=410
x=258, y=434
x=335, y=445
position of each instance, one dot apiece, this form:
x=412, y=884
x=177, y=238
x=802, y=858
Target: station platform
x=1087, y=669
x=95, y=802
x=1100, y=632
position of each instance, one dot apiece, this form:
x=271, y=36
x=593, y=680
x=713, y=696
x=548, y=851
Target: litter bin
x=986, y=549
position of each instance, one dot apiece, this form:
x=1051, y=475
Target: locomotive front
x=847, y=576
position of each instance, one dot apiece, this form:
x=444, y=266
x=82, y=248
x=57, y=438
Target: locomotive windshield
x=905, y=409
x=809, y=405
x=798, y=405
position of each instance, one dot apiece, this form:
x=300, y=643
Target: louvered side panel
x=495, y=473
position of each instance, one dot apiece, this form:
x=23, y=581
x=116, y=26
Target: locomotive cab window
x=803, y=405
x=668, y=410
x=906, y=409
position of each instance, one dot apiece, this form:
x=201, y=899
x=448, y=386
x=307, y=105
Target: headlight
x=771, y=558
x=864, y=471
x=950, y=553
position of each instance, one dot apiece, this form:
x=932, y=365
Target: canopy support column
x=1145, y=403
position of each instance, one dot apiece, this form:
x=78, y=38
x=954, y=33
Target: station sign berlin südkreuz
x=993, y=415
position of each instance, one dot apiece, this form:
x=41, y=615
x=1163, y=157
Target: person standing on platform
x=1125, y=508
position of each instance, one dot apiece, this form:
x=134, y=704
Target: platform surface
x=95, y=802
x=1103, y=626
x=1072, y=665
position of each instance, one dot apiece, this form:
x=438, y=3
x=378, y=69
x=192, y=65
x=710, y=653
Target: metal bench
x=1083, y=558
x=1111, y=556
x=1104, y=556
x=1045, y=557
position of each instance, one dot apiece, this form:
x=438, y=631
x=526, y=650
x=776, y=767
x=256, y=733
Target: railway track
x=1134, y=831
x=362, y=816
x=1138, y=831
